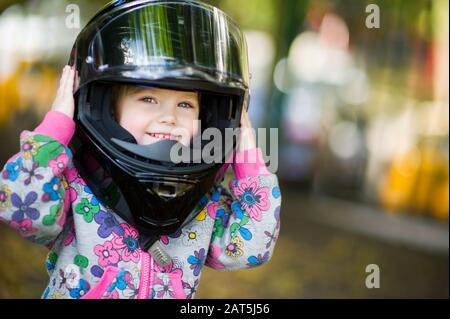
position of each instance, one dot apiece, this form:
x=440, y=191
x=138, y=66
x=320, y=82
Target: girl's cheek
x=126, y=124
x=133, y=127
x=195, y=123
x=194, y=127
x=188, y=125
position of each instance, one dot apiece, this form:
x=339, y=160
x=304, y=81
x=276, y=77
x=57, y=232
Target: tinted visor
x=172, y=39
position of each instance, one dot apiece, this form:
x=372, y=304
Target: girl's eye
x=148, y=99
x=185, y=105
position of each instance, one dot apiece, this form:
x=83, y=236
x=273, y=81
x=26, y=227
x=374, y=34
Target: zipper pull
x=161, y=257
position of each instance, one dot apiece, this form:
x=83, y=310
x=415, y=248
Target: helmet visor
x=172, y=39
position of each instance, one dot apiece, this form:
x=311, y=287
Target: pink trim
x=106, y=280
x=145, y=280
x=58, y=126
x=249, y=163
x=177, y=285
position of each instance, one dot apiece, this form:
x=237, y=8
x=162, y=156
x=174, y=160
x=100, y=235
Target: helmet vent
x=167, y=190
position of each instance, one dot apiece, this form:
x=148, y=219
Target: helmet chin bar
x=159, y=151
x=159, y=206
x=164, y=150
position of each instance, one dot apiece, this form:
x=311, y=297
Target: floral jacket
x=93, y=253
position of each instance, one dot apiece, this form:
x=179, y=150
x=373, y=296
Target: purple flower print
x=24, y=207
x=163, y=287
x=31, y=173
x=197, y=261
x=108, y=224
x=190, y=290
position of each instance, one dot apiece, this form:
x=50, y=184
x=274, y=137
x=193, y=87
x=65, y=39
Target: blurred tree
x=290, y=21
x=7, y=3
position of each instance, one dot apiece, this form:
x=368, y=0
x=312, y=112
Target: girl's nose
x=168, y=115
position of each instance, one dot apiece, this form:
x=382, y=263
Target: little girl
x=95, y=252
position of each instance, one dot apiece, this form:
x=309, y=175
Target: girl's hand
x=247, y=140
x=64, y=101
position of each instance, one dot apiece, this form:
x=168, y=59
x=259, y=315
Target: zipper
x=161, y=257
x=146, y=276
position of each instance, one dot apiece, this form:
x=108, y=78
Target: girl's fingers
x=62, y=81
x=68, y=86
x=62, y=75
x=63, y=101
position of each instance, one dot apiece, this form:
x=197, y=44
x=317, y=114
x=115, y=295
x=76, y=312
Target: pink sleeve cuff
x=249, y=163
x=58, y=126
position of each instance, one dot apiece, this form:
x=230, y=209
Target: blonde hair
x=118, y=91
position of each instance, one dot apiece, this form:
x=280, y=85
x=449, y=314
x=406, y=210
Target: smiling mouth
x=165, y=136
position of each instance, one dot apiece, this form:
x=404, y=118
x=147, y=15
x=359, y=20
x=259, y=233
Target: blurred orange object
x=31, y=85
x=417, y=181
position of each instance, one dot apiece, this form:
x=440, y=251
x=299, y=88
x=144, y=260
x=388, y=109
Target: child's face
x=154, y=114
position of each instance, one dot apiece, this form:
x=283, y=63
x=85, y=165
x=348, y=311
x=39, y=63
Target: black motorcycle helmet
x=178, y=45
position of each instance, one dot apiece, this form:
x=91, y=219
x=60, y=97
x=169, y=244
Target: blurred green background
x=363, y=149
